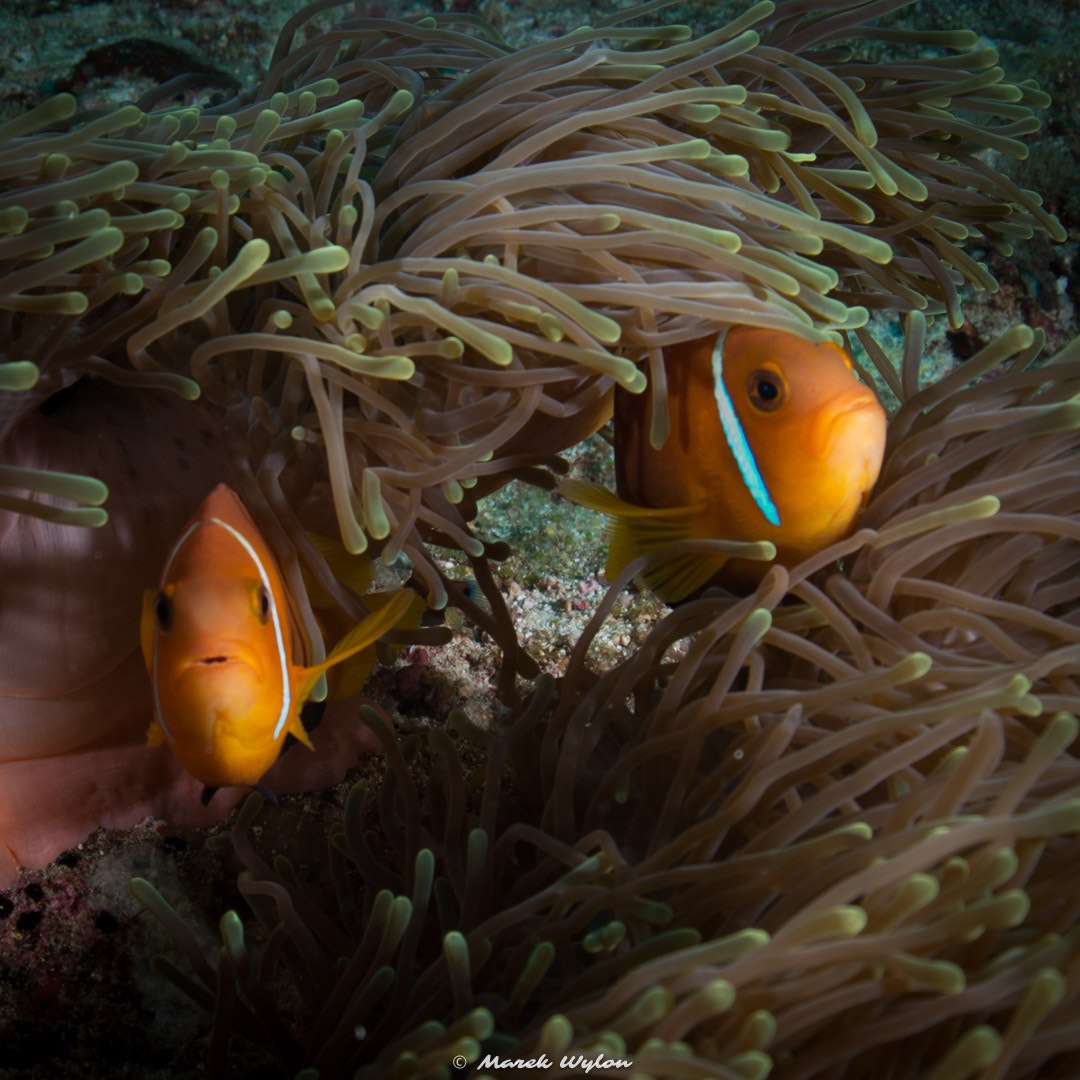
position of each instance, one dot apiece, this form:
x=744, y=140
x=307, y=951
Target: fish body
x=218, y=641
x=772, y=438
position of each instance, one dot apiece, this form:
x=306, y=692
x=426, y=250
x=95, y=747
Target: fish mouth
x=221, y=656
x=838, y=423
x=860, y=402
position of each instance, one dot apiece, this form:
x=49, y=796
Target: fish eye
x=264, y=605
x=766, y=390
x=163, y=611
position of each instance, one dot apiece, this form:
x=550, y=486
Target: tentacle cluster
x=826, y=830
x=427, y=257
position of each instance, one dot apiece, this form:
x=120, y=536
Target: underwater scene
x=539, y=540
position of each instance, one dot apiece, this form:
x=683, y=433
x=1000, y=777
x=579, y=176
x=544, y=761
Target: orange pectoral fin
x=154, y=735
x=362, y=636
x=350, y=676
x=297, y=731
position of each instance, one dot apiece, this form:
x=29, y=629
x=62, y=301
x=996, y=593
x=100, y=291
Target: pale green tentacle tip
x=456, y=948
x=378, y=524
x=13, y=220
x=232, y=934
x=1062, y=730
x=18, y=375
x=149, y=897
x=843, y=921
x=998, y=869
x=913, y=894
x=744, y=941
x=720, y=994
x=556, y=1034
x=606, y=938
x=914, y=666
x=610, y=1043
x=187, y=388
x=252, y=255
x=857, y=830
x=478, y=1024
x=401, y=101
x=939, y=976
x=983, y=507
x=1010, y=909
x=758, y=1030
x=758, y=623
x=60, y=107
x=467, y=1047
x=325, y=260
x=86, y=490
x=974, y=1050
x=1045, y=992
x=753, y=1065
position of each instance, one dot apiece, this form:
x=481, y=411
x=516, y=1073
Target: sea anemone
x=826, y=829
x=786, y=836
x=376, y=310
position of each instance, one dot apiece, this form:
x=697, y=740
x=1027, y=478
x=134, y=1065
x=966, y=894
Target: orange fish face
x=216, y=644
x=220, y=676
x=816, y=435
x=217, y=641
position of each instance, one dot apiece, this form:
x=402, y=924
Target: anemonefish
x=218, y=642
x=772, y=438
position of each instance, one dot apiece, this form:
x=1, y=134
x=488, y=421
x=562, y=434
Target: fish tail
x=633, y=531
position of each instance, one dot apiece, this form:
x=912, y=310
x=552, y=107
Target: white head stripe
x=736, y=439
x=286, y=690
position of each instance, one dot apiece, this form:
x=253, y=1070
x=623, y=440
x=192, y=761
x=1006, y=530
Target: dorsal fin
x=353, y=571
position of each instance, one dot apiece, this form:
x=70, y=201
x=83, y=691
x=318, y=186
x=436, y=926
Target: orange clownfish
x=773, y=438
x=217, y=639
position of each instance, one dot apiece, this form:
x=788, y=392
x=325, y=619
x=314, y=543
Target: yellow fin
x=633, y=531
x=353, y=571
x=362, y=636
x=297, y=731
x=595, y=497
x=154, y=735
x=349, y=678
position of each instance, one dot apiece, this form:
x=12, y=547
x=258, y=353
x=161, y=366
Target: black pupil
x=264, y=603
x=162, y=611
x=768, y=390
